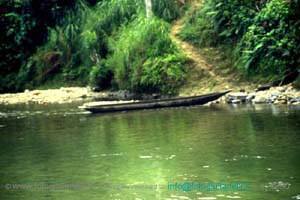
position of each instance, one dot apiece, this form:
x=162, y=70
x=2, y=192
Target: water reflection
x=60, y=145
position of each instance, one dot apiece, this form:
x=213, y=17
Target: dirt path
x=202, y=77
x=191, y=51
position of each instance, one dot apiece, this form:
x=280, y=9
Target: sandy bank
x=62, y=95
x=275, y=95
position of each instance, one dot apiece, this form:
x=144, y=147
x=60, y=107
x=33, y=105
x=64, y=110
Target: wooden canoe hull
x=153, y=104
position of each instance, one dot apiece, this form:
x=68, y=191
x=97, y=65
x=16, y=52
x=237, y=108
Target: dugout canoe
x=100, y=107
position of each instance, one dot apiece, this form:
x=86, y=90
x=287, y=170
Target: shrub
x=218, y=22
x=271, y=46
x=162, y=74
x=24, y=26
x=101, y=77
x=143, y=55
x=198, y=28
x=77, y=41
x=59, y=55
x=166, y=9
x=264, y=35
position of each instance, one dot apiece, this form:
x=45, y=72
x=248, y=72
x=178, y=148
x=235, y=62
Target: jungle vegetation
x=112, y=44
x=106, y=44
x=260, y=37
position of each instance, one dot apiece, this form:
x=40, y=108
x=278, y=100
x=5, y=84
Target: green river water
x=61, y=152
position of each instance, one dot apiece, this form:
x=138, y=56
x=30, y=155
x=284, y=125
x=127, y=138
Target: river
x=217, y=152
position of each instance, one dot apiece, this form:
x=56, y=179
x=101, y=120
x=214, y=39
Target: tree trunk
x=148, y=9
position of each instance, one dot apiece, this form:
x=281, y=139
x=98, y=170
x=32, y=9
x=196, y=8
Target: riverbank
x=60, y=96
x=264, y=95
x=275, y=95
x=65, y=95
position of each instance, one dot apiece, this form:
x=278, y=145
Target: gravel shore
x=275, y=95
x=269, y=95
x=60, y=96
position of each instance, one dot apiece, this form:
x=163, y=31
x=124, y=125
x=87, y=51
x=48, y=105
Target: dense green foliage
x=145, y=59
x=272, y=43
x=263, y=35
x=24, y=27
x=79, y=49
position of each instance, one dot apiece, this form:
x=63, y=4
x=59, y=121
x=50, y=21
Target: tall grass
x=82, y=50
x=166, y=9
x=145, y=59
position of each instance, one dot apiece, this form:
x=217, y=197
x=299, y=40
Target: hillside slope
x=203, y=76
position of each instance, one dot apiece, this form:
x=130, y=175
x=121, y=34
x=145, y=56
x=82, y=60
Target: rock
x=238, y=96
x=223, y=99
x=124, y=95
x=208, y=104
x=263, y=88
x=280, y=101
x=260, y=99
x=276, y=102
x=290, y=96
x=283, y=101
x=229, y=100
x=294, y=100
x=282, y=89
x=68, y=90
x=155, y=96
x=251, y=96
x=36, y=93
x=273, y=99
x=296, y=103
x=275, y=93
x=236, y=101
x=282, y=98
x=96, y=89
x=290, y=89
